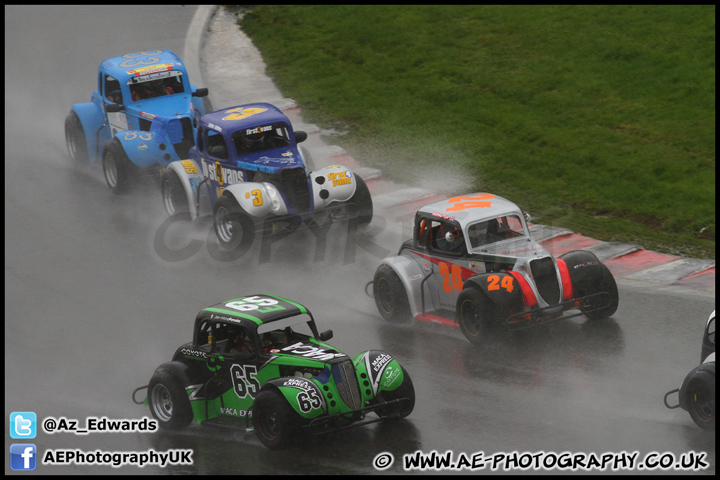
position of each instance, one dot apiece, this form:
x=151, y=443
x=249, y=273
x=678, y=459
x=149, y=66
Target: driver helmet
x=238, y=341
x=254, y=141
x=153, y=89
x=450, y=235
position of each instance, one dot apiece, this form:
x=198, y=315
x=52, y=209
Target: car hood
x=312, y=351
x=162, y=106
x=273, y=160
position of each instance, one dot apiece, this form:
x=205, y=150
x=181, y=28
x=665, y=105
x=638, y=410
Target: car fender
x=304, y=395
x=502, y=288
x=411, y=276
x=176, y=369
x=333, y=183
x=585, y=271
x=92, y=119
x=378, y=371
x=190, y=175
x=258, y=199
x=144, y=149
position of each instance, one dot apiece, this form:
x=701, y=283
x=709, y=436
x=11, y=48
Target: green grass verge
x=600, y=119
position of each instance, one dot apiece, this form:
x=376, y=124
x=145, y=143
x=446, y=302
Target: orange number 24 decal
x=494, y=283
x=473, y=201
x=451, y=278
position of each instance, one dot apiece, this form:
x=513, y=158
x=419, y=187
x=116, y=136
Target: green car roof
x=259, y=309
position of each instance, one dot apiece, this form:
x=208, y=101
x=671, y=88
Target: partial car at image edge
x=696, y=394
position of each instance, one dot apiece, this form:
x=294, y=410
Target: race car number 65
x=254, y=304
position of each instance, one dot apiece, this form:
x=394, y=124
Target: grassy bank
x=600, y=119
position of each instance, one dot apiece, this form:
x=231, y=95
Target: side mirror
x=325, y=336
x=113, y=107
x=300, y=136
x=200, y=92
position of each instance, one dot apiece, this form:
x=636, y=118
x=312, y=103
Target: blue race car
x=142, y=116
x=249, y=173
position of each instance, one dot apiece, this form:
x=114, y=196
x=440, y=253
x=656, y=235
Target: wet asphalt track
x=91, y=308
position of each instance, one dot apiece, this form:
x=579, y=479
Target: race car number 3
x=256, y=303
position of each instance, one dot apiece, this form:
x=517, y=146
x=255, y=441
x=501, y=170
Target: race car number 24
x=255, y=304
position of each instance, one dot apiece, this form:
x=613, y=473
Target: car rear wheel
x=75, y=139
x=168, y=401
x=476, y=315
x=173, y=193
x=701, y=399
x=234, y=228
x=607, y=285
x=119, y=171
x=400, y=409
x=275, y=423
x=390, y=296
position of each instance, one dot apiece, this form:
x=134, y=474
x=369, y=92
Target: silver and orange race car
x=472, y=262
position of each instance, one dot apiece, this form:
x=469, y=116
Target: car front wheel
x=174, y=196
x=274, y=421
x=701, y=399
x=390, y=296
x=401, y=409
x=607, y=285
x=476, y=315
x=234, y=228
x=363, y=202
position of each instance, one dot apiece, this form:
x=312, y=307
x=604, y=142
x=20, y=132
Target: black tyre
x=390, y=295
x=174, y=197
x=700, y=391
x=233, y=227
x=363, y=202
x=120, y=173
x=275, y=423
x=168, y=401
x=75, y=139
x=476, y=315
x=608, y=285
x=401, y=409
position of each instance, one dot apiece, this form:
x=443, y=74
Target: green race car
x=259, y=361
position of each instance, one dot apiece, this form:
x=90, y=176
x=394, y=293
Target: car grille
x=347, y=384
x=543, y=272
x=295, y=187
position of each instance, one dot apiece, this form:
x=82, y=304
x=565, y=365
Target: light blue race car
x=142, y=116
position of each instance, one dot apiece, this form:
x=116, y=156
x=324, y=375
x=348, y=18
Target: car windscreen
x=261, y=138
x=298, y=324
x=156, y=85
x=493, y=230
